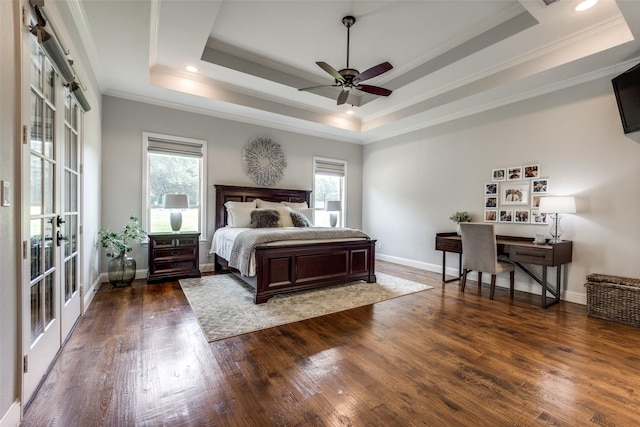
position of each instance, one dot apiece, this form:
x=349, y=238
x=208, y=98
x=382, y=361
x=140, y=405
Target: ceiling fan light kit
x=350, y=78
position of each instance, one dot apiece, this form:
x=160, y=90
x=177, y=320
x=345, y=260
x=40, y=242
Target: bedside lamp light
x=555, y=206
x=333, y=206
x=176, y=202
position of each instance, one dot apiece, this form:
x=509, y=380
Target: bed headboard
x=225, y=193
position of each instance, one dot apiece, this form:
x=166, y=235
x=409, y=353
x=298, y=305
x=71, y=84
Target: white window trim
x=343, y=219
x=145, y=174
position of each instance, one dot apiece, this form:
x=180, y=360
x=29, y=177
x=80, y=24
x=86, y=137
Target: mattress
x=224, y=238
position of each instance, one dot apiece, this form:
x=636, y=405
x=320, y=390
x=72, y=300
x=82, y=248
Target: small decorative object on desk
x=458, y=217
x=121, y=268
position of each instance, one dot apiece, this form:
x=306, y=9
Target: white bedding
x=224, y=238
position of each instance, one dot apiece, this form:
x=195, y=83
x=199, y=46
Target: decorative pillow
x=239, y=217
x=299, y=220
x=264, y=218
x=309, y=213
x=296, y=205
x=232, y=204
x=263, y=204
x=285, y=216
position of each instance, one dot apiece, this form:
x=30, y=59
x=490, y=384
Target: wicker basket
x=613, y=298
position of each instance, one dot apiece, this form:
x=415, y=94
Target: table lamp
x=555, y=206
x=176, y=202
x=333, y=206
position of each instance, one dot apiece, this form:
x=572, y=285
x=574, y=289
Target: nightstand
x=173, y=256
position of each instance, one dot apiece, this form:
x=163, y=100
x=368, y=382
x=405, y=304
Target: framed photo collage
x=513, y=195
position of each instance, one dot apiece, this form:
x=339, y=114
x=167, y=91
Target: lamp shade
x=334, y=206
x=557, y=205
x=176, y=201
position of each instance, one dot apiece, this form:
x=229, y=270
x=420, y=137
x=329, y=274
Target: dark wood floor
x=435, y=358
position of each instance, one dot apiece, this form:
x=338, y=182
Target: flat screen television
x=626, y=87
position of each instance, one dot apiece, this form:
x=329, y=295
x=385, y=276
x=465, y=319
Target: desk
x=520, y=250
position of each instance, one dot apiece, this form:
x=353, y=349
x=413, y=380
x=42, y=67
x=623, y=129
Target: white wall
x=124, y=121
x=9, y=216
x=413, y=183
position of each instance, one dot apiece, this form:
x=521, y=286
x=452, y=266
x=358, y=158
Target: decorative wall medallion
x=264, y=161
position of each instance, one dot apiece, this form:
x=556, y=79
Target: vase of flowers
x=121, y=268
x=458, y=217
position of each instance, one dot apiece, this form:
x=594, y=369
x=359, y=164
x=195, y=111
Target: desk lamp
x=333, y=206
x=555, y=206
x=176, y=202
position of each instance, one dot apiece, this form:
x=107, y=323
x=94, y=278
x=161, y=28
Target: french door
x=50, y=182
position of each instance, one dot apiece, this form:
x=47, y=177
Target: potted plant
x=458, y=217
x=121, y=268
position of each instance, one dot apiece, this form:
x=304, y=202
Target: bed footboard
x=293, y=268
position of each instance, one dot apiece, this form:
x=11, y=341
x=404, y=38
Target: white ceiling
x=451, y=58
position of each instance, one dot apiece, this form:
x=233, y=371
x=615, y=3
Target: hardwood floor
x=434, y=358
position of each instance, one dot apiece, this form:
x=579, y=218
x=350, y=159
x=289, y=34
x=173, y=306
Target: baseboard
x=207, y=268
x=417, y=264
x=529, y=286
x=91, y=292
x=12, y=417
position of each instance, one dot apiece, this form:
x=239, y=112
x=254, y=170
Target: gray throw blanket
x=246, y=241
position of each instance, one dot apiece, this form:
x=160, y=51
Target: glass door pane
x=70, y=224
x=42, y=196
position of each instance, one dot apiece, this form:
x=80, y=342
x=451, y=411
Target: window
x=329, y=186
x=173, y=165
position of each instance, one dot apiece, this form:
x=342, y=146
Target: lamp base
x=176, y=220
x=556, y=229
x=333, y=219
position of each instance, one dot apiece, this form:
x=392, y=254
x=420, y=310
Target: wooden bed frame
x=290, y=268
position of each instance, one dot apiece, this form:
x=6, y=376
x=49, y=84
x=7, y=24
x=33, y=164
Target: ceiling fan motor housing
x=348, y=74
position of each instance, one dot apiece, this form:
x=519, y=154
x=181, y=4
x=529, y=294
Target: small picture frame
x=491, y=202
x=532, y=171
x=514, y=194
x=535, y=200
x=499, y=174
x=490, y=215
x=506, y=215
x=491, y=189
x=521, y=216
x=540, y=186
x=514, y=173
x=539, y=218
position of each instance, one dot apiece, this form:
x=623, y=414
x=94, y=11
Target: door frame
x=29, y=386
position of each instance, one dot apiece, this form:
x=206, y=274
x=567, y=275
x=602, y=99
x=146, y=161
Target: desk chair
x=480, y=253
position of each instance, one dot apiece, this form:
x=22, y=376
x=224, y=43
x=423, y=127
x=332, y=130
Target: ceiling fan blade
x=318, y=87
x=373, y=72
x=374, y=90
x=329, y=69
x=342, y=98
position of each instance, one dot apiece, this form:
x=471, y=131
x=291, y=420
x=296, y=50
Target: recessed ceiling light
x=191, y=68
x=586, y=4
x=349, y=112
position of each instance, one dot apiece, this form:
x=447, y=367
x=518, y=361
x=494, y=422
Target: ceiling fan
x=350, y=78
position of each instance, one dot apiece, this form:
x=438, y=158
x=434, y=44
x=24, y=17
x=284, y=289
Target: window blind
x=329, y=167
x=157, y=145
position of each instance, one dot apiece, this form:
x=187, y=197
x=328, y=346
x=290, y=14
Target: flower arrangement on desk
x=458, y=217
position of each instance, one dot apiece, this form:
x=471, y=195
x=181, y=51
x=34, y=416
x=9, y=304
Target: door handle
x=59, y=220
x=60, y=238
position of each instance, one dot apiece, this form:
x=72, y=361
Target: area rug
x=223, y=304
